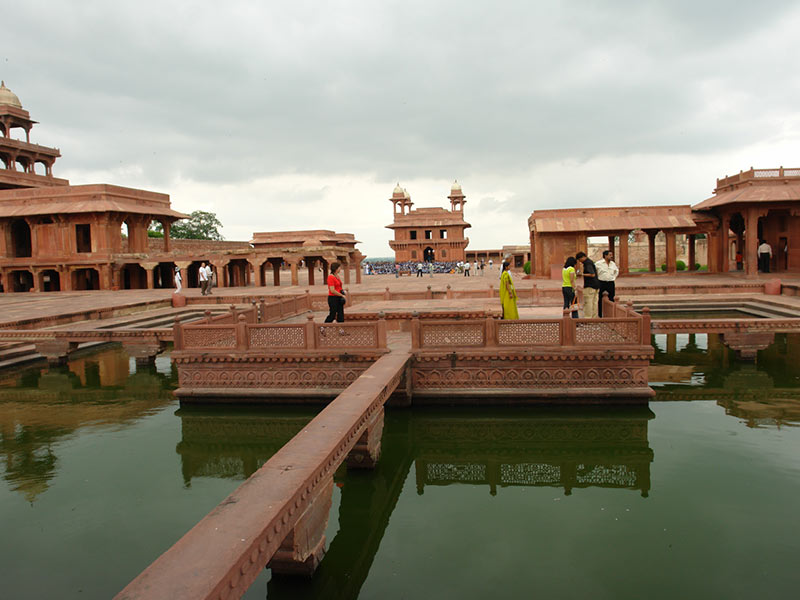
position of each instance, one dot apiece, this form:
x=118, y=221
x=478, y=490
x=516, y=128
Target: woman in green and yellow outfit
x=568, y=286
x=508, y=295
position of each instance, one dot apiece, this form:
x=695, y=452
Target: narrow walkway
x=223, y=554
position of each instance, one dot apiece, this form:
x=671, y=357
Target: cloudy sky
x=303, y=115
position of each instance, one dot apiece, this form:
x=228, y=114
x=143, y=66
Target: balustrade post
x=307, y=300
x=567, y=329
x=387, y=295
x=177, y=335
x=416, y=332
x=490, y=329
x=535, y=295
x=605, y=305
x=429, y=293
x=381, y=330
x=207, y=314
x=242, y=335
x=645, y=324
x=449, y=293
x=491, y=291
x=629, y=309
x=262, y=311
x=233, y=313
x=311, y=332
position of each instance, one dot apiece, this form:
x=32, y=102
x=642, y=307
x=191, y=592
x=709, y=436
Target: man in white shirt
x=419, y=269
x=607, y=272
x=466, y=269
x=202, y=275
x=764, y=256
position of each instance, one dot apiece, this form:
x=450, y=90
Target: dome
x=398, y=192
x=406, y=194
x=456, y=187
x=8, y=97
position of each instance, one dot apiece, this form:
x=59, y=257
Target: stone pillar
x=258, y=271
x=692, y=252
x=65, y=279
x=276, y=272
x=367, y=450
x=725, y=250
x=37, y=279
x=148, y=271
x=672, y=251
x=346, y=267
x=751, y=242
x=623, y=253
x=651, y=250
x=293, y=268
x=324, y=271
x=358, y=271
x=167, y=227
x=612, y=242
x=302, y=550
x=107, y=273
x=310, y=263
x=55, y=351
x=144, y=352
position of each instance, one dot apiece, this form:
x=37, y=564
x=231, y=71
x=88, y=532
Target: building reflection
x=763, y=393
x=39, y=408
x=569, y=449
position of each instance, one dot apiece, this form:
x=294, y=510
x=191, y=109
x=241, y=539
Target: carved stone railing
x=245, y=336
x=757, y=174
x=631, y=329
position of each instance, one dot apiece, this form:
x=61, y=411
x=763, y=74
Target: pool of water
x=694, y=495
x=704, y=314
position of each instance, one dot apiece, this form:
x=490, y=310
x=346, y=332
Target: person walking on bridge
x=336, y=296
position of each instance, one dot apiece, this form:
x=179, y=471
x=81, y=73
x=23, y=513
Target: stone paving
x=20, y=306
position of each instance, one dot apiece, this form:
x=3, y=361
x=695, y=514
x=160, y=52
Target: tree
x=200, y=225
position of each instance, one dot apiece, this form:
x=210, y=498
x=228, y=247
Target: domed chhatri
x=398, y=191
x=456, y=187
x=8, y=97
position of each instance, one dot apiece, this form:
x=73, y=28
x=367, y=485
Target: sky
x=305, y=115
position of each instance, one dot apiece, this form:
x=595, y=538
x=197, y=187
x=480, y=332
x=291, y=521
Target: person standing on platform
x=336, y=296
x=607, y=272
x=209, y=279
x=764, y=256
x=419, y=269
x=508, y=295
x=466, y=269
x=568, y=276
x=591, y=286
x=483, y=266
x=178, y=280
x=491, y=262
x=202, y=275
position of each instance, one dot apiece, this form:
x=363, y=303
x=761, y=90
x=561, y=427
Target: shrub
x=696, y=266
x=664, y=266
x=680, y=265
x=527, y=268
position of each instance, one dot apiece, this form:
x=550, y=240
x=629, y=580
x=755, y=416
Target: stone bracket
x=367, y=451
x=56, y=351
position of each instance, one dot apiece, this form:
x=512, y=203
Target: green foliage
x=696, y=266
x=200, y=225
x=527, y=268
x=663, y=266
x=680, y=265
x=153, y=233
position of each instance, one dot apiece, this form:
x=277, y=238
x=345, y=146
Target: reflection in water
x=765, y=392
x=576, y=448
x=40, y=408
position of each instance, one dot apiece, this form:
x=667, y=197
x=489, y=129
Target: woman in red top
x=336, y=297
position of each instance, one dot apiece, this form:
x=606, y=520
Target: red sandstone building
x=56, y=236
x=429, y=234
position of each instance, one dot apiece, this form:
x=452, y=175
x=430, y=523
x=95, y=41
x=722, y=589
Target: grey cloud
x=398, y=89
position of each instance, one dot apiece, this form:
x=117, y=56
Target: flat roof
x=611, y=219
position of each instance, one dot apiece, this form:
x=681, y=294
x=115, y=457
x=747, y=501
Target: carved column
x=651, y=250
x=751, y=242
x=310, y=263
x=672, y=251
x=293, y=268
x=276, y=272
x=358, y=271
x=692, y=252
x=725, y=249
x=612, y=242
x=346, y=267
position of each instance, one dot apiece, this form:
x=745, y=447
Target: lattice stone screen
x=618, y=475
x=209, y=336
x=272, y=336
x=530, y=474
x=455, y=472
x=455, y=334
x=521, y=333
x=348, y=335
x=607, y=331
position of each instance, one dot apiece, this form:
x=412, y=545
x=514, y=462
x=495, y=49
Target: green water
x=693, y=496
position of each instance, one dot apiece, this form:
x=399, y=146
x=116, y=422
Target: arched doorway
x=21, y=281
x=164, y=275
x=428, y=254
x=134, y=277
x=20, y=238
x=50, y=281
x=85, y=279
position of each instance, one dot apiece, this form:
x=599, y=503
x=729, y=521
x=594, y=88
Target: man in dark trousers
x=591, y=286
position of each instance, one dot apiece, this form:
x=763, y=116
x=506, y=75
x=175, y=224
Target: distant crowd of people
x=421, y=268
